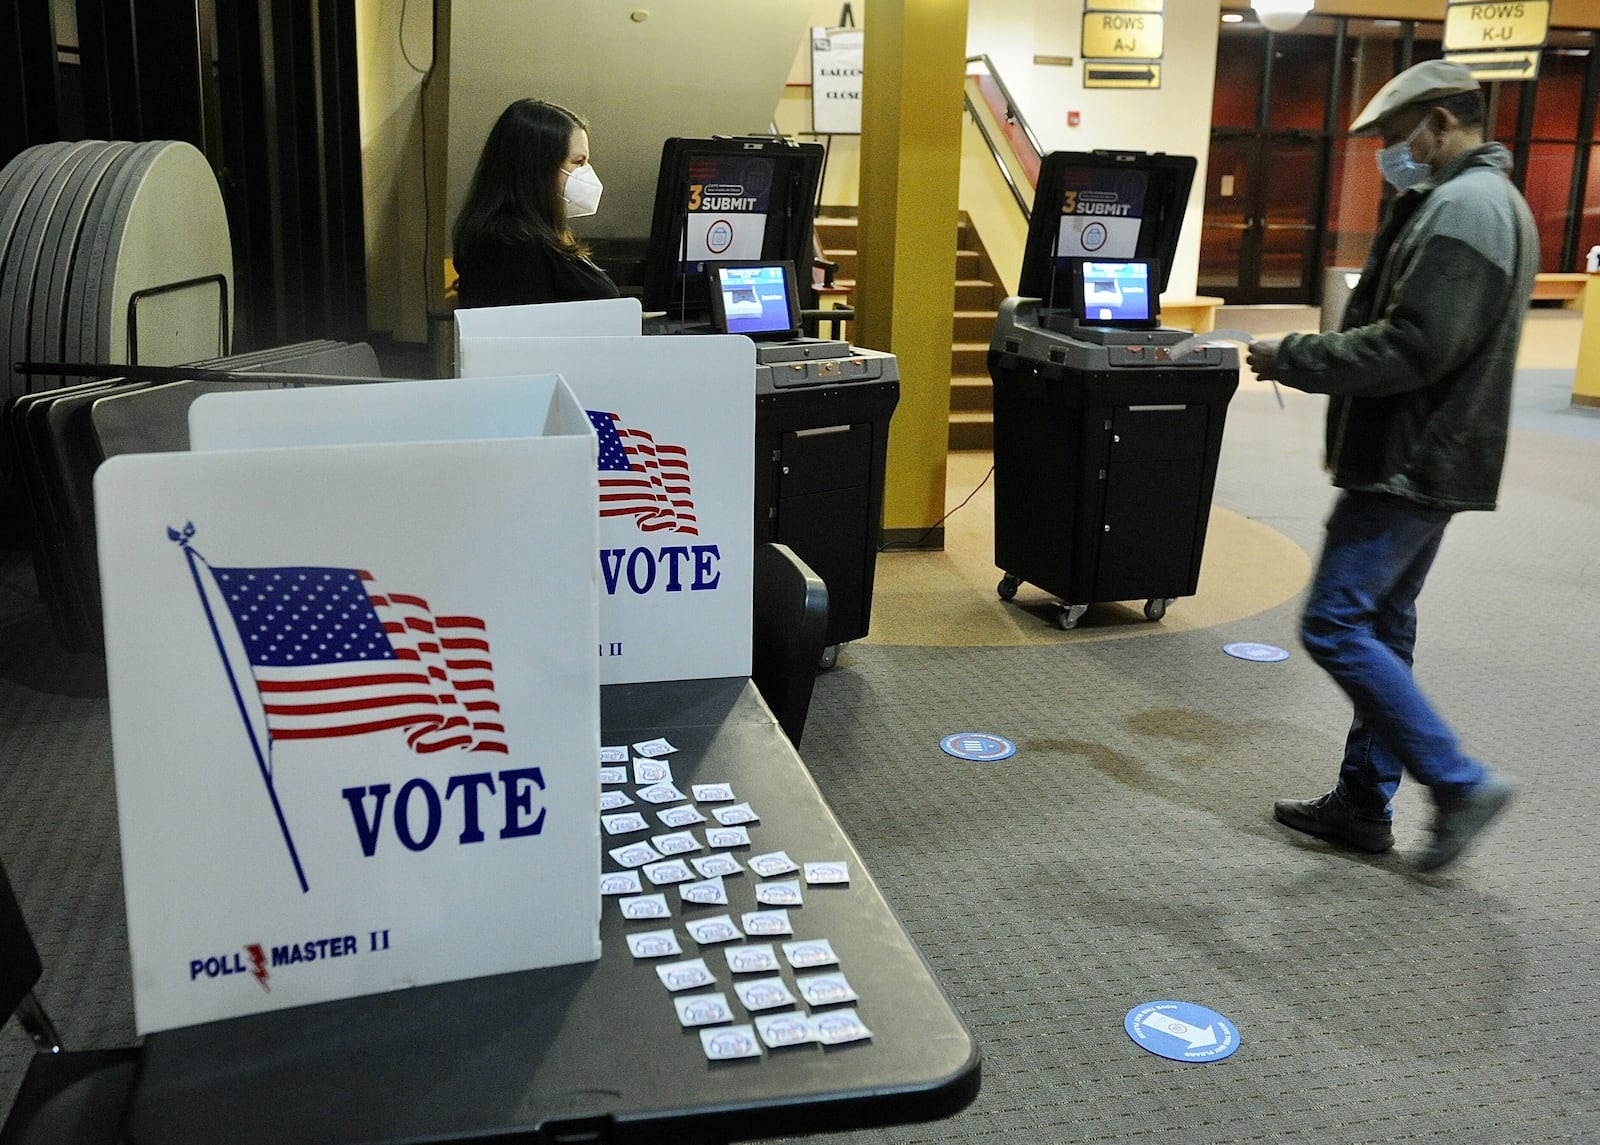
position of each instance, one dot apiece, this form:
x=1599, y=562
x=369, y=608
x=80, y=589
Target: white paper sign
x=344, y=729
x=836, y=69
x=676, y=425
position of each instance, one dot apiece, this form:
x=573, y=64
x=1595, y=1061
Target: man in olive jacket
x=1419, y=383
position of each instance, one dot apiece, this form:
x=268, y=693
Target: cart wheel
x=1008, y=586
x=1156, y=608
x=830, y=657
x=1067, y=619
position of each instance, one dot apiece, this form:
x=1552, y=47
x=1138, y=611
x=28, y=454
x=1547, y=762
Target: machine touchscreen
x=757, y=299
x=1121, y=294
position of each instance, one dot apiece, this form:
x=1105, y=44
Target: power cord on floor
x=916, y=543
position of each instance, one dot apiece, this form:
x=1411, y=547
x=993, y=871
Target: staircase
x=977, y=299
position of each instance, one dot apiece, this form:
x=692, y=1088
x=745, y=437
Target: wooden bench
x=1564, y=288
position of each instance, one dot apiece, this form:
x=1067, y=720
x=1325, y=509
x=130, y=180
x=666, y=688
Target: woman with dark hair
x=512, y=243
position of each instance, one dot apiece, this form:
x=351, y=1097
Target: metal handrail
x=1013, y=112
x=1013, y=115
x=994, y=150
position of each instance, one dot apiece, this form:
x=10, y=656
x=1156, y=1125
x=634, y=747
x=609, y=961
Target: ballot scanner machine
x=1106, y=432
x=730, y=252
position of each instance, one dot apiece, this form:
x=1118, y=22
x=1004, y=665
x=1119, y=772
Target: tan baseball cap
x=1431, y=79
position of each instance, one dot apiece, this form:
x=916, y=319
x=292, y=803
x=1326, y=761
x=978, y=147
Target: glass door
x=1258, y=242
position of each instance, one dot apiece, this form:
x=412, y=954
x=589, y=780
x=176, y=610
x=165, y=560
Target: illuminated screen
x=1115, y=292
x=754, y=300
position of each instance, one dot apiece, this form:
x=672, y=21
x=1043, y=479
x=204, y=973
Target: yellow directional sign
x=1097, y=74
x=1122, y=36
x=1486, y=67
x=1481, y=27
x=1125, y=5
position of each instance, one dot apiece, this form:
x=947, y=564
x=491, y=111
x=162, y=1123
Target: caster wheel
x=1156, y=608
x=830, y=657
x=1067, y=619
x=1007, y=588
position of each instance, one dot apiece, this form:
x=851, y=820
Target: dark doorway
x=1259, y=243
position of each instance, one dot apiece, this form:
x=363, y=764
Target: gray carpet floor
x=1127, y=852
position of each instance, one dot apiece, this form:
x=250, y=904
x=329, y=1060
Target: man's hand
x=1263, y=358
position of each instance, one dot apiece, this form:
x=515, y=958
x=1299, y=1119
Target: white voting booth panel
x=355, y=747
x=676, y=418
x=593, y=318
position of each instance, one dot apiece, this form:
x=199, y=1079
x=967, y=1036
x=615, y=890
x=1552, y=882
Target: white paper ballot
x=1210, y=338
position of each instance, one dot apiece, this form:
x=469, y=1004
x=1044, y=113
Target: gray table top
x=597, y=1046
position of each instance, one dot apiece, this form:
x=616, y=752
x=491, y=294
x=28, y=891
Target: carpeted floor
x=1127, y=852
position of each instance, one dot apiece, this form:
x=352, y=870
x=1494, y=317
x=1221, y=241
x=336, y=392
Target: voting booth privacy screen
x=675, y=418
x=723, y=200
x=353, y=693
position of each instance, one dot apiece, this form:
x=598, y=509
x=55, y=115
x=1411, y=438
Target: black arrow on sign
x=1518, y=65
x=1122, y=74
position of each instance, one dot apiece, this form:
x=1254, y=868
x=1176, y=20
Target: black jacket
x=496, y=273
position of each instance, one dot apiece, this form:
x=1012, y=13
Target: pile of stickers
x=693, y=868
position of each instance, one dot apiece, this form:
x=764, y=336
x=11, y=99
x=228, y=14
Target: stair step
x=836, y=227
x=975, y=294
x=971, y=430
x=969, y=359
x=973, y=326
x=970, y=394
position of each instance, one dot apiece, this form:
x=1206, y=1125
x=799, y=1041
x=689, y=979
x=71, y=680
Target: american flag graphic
x=332, y=655
x=643, y=479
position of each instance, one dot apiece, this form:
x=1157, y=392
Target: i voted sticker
x=1182, y=1031
x=685, y=975
x=1259, y=653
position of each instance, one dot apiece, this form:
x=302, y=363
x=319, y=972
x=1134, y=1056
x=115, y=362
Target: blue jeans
x=1360, y=625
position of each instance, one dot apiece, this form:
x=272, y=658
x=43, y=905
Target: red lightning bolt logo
x=258, y=963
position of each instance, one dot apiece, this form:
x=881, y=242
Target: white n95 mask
x=582, y=192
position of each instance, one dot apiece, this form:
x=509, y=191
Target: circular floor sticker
x=1182, y=1031
x=978, y=746
x=1260, y=653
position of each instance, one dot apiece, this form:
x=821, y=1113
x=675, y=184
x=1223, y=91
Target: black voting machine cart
x=822, y=406
x=1105, y=445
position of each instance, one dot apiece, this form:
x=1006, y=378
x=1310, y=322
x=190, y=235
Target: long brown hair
x=516, y=190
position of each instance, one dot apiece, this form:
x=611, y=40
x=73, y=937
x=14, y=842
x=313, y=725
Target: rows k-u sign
x=353, y=751
x=1502, y=24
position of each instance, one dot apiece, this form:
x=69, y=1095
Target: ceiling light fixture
x=1282, y=15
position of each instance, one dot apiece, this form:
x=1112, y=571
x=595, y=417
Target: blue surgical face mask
x=1399, y=168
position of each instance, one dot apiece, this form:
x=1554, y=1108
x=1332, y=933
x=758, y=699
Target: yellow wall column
x=911, y=107
x=1586, y=384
